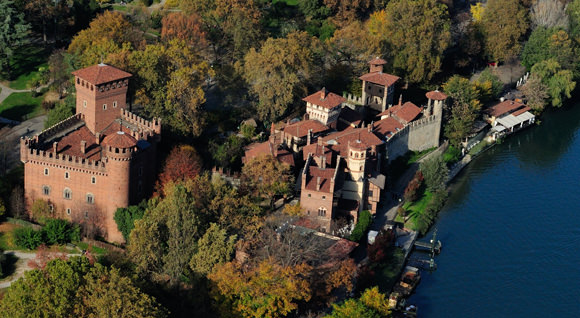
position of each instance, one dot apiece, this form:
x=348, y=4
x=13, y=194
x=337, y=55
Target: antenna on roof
x=101, y=63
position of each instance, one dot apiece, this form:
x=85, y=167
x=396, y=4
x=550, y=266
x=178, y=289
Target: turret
x=435, y=103
x=356, y=158
x=377, y=64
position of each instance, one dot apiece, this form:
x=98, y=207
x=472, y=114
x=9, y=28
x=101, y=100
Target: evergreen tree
x=13, y=33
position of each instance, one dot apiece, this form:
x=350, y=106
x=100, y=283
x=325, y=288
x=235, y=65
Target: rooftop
x=406, y=112
x=503, y=108
x=324, y=99
x=377, y=61
x=380, y=78
x=386, y=127
x=301, y=128
x=325, y=175
x=436, y=95
x=101, y=73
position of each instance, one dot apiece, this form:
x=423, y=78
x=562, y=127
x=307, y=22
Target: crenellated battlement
x=352, y=99
x=30, y=154
x=70, y=122
x=147, y=127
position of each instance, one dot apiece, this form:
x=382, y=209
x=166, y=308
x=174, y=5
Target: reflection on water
x=511, y=230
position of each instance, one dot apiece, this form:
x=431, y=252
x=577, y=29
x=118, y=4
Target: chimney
x=376, y=65
x=323, y=160
x=370, y=126
x=83, y=146
x=323, y=93
x=309, y=137
x=98, y=138
x=400, y=99
x=55, y=147
x=317, y=183
x=319, y=141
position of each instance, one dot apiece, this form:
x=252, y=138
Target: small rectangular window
x=323, y=197
x=46, y=171
x=68, y=211
x=104, y=106
x=46, y=190
x=93, y=180
x=66, y=175
x=309, y=195
x=84, y=103
x=115, y=104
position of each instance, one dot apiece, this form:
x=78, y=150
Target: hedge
x=364, y=221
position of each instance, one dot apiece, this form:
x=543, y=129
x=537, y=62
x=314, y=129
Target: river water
x=511, y=229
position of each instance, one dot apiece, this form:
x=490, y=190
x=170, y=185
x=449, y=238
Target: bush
x=28, y=238
x=452, y=155
x=412, y=191
x=40, y=211
x=364, y=221
x=125, y=218
x=435, y=173
x=58, y=231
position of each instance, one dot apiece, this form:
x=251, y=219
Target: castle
x=96, y=161
x=344, y=157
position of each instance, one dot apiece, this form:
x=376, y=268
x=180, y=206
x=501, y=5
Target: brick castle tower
x=96, y=161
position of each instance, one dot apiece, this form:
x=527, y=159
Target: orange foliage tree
x=183, y=163
x=184, y=27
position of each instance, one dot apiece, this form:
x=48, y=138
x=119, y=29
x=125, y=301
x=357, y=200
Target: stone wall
x=419, y=135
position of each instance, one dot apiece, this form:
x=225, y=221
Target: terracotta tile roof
x=341, y=249
x=436, y=95
x=71, y=144
x=101, y=73
x=120, y=139
x=350, y=116
x=406, y=112
x=300, y=129
x=503, y=108
x=325, y=177
x=521, y=111
x=377, y=61
x=266, y=148
x=386, y=127
x=316, y=151
x=380, y=78
x=324, y=99
x=339, y=141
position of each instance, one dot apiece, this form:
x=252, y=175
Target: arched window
x=45, y=190
x=66, y=175
x=90, y=198
x=322, y=211
x=93, y=180
x=67, y=194
x=46, y=171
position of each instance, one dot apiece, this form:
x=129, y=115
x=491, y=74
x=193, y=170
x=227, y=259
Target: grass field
x=7, y=237
x=288, y=2
x=25, y=63
x=94, y=249
x=414, y=209
x=24, y=81
x=21, y=106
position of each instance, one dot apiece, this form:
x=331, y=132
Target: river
x=511, y=229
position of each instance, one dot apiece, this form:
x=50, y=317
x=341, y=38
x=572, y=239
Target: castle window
x=86, y=214
x=78, y=80
x=140, y=171
x=67, y=194
x=46, y=190
x=68, y=211
x=371, y=193
x=309, y=195
x=46, y=171
x=92, y=87
x=84, y=103
x=104, y=106
x=115, y=104
x=51, y=207
x=93, y=180
x=66, y=175
x=322, y=212
x=90, y=198
x=323, y=197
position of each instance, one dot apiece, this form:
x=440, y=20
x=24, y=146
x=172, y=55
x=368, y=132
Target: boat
x=409, y=280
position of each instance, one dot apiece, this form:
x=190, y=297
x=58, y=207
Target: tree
x=58, y=231
x=228, y=153
x=13, y=33
x=266, y=177
x=536, y=93
x=59, y=64
x=346, y=11
x=213, y=248
x=187, y=28
x=537, y=48
x=550, y=43
x=504, y=23
x=126, y=217
x=277, y=73
x=573, y=10
x=75, y=288
x=63, y=110
x=371, y=304
x=170, y=82
x=464, y=110
x=549, y=13
x=559, y=81
x=41, y=211
x=182, y=163
x=417, y=32
x=488, y=85
x=477, y=11
x=435, y=172
x=269, y=290
x=109, y=34
x=28, y=238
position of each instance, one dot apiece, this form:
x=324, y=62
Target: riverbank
x=510, y=228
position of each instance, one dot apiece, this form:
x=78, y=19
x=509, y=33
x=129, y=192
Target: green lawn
x=27, y=59
x=24, y=81
x=414, y=209
x=94, y=249
x=388, y=272
x=416, y=155
x=120, y=8
x=21, y=106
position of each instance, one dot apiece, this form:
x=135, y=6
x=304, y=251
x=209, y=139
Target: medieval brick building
x=96, y=161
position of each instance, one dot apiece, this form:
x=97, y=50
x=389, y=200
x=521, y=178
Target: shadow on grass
x=9, y=265
x=26, y=59
x=18, y=112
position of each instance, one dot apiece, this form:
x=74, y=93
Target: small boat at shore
x=409, y=280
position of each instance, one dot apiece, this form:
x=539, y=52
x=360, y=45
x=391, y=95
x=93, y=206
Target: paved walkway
x=21, y=266
x=6, y=91
x=10, y=140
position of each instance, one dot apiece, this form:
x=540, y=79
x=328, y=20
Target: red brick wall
x=96, y=117
x=311, y=201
